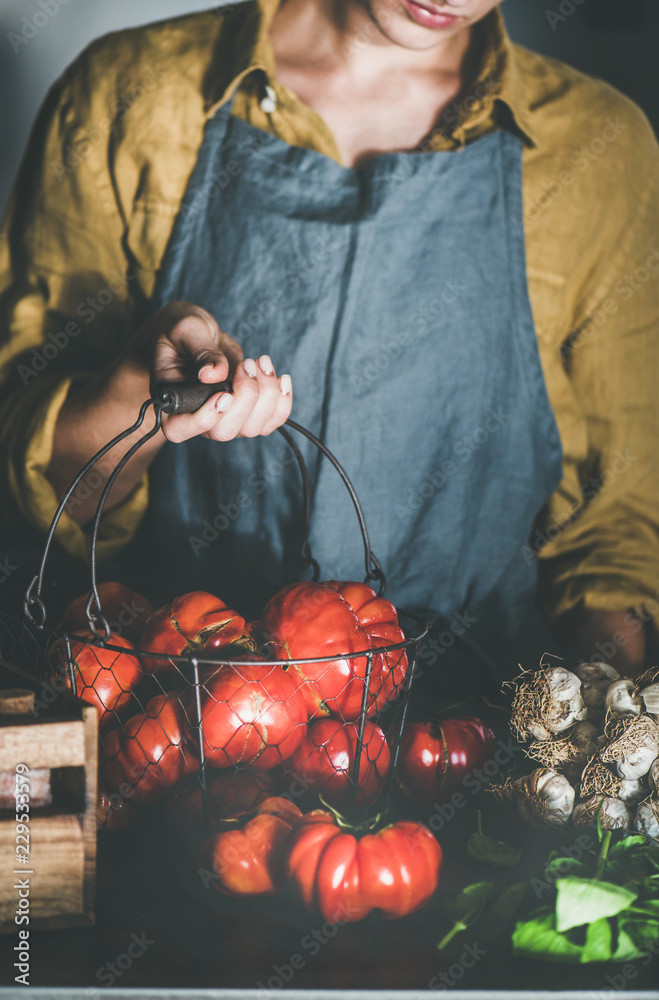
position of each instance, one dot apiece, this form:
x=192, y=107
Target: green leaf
x=598, y=942
x=468, y=906
x=583, y=900
x=626, y=950
x=470, y=903
x=563, y=866
x=626, y=844
x=642, y=932
x=493, y=852
x=539, y=939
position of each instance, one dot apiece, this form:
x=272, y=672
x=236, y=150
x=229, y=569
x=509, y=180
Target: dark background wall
x=613, y=39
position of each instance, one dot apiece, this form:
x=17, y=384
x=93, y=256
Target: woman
x=422, y=224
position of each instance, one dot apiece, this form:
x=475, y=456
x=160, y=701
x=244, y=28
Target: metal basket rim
x=424, y=626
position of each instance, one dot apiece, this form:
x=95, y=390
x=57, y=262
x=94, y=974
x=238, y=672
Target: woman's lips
x=427, y=16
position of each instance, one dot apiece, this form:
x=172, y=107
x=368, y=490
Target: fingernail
x=204, y=368
x=285, y=385
x=224, y=402
x=266, y=365
x=250, y=367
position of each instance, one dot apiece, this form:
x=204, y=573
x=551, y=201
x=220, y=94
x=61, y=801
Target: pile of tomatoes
x=265, y=722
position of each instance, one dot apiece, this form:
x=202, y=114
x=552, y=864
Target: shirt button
x=269, y=102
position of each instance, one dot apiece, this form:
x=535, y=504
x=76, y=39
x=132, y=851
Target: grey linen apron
x=396, y=297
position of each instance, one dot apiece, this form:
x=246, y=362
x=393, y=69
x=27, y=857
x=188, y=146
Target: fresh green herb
x=606, y=908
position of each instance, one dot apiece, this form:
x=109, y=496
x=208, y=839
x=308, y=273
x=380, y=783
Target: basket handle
x=187, y=397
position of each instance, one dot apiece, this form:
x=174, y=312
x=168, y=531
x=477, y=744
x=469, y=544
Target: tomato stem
x=456, y=929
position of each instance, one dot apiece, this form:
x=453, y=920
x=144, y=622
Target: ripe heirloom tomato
x=436, y=757
x=322, y=619
x=251, y=861
x=324, y=761
x=103, y=677
x=252, y=715
x=125, y=611
x=196, y=624
x=152, y=753
x=395, y=870
x=229, y=793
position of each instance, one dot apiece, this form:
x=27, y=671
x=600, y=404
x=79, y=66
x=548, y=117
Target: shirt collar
x=244, y=49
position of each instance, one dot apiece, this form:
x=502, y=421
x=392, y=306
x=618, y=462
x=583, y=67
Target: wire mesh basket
x=208, y=714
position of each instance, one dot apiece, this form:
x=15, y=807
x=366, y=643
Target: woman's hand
x=181, y=342
x=186, y=344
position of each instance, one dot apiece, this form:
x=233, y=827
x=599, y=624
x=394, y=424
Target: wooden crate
x=61, y=740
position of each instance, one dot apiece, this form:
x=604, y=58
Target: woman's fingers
x=257, y=406
x=260, y=402
x=186, y=344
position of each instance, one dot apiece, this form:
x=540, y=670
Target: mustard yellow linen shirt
x=101, y=184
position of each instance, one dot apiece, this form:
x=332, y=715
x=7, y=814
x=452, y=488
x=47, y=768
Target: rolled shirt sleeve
x=65, y=307
x=598, y=538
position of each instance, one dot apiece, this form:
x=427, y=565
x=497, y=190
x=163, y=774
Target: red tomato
x=103, y=677
x=252, y=715
x=229, y=793
x=395, y=870
x=125, y=611
x=436, y=757
x=324, y=619
x=324, y=761
x=152, y=753
x=251, y=861
x=196, y=624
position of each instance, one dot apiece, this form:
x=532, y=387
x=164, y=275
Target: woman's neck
x=341, y=34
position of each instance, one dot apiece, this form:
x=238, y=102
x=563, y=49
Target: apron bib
x=396, y=297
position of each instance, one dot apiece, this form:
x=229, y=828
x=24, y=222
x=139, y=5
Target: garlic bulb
x=596, y=678
x=632, y=790
x=619, y=700
x=653, y=775
x=647, y=817
x=546, y=703
x=544, y=797
x=568, y=706
x=637, y=763
x=613, y=814
x=650, y=698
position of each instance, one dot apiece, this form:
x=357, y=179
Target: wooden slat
x=45, y=744
x=89, y=820
x=57, y=862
